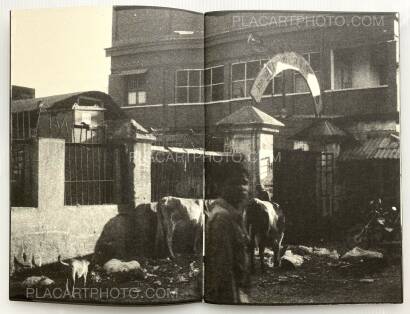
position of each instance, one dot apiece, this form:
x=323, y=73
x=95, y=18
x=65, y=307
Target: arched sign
x=287, y=61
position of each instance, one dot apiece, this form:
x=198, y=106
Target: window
x=299, y=83
x=137, y=94
x=343, y=65
x=359, y=67
x=214, y=83
x=301, y=145
x=189, y=86
x=196, y=85
x=243, y=75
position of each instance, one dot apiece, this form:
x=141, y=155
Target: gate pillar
x=250, y=132
x=48, y=168
x=136, y=175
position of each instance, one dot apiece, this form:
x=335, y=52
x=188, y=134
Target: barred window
x=299, y=83
x=243, y=75
x=136, y=90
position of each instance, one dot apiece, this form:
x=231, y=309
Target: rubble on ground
x=359, y=254
x=367, y=280
x=37, y=281
x=318, y=251
x=122, y=271
x=291, y=261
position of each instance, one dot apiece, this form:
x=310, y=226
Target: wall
x=148, y=24
x=69, y=231
x=53, y=229
x=160, y=77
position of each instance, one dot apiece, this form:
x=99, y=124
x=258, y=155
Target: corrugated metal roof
x=62, y=101
x=33, y=103
x=382, y=147
x=250, y=115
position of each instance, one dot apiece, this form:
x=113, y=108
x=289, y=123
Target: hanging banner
x=282, y=62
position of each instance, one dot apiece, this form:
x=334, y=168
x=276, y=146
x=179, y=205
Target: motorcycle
x=383, y=224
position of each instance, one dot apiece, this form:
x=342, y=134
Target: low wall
x=69, y=231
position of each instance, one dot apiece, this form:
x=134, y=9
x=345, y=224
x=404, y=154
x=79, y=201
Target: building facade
x=166, y=71
x=179, y=73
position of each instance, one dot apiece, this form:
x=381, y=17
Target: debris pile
x=358, y=254
x=291, y=261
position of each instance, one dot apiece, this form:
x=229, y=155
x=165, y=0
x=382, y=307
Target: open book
x=241, y=157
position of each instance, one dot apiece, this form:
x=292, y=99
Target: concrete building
x=180, y=73
x=158, y=56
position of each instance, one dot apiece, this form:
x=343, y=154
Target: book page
x=107, y=152
x=305, y=107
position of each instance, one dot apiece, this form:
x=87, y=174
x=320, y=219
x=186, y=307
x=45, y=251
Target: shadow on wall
x=127, y=235
x=134, y=233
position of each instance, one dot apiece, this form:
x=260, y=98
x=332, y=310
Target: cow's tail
x=61, y=261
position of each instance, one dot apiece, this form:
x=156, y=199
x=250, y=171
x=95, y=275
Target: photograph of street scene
x=160, y=155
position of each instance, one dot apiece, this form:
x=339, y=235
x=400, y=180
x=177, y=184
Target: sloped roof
x=381, y=147
x=250, y=115
x=62, y=101
x=320, y=130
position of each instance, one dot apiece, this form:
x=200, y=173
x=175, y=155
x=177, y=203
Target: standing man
x=227, y=275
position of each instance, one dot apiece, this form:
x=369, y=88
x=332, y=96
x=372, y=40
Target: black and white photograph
x=226, y=157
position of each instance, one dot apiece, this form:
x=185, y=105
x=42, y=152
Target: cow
x=173, y=212
x=265, y=223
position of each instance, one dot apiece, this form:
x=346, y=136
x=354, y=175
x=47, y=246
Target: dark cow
x=265, y=223
x=173, y=212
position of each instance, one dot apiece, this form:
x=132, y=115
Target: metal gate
x=21, y=173
x=177, y=174
x=90, y=174
x=325, y=185
x=303, y=183
x=294, y=185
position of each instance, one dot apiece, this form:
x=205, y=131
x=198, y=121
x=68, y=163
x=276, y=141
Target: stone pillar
x=140, y=172
x=49, y=171
x=138, y=141
x=249, y=131
x=256, y=144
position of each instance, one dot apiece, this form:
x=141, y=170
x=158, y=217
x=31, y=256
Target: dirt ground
x=323, y=280
x=165, y=281
x=320, y=279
